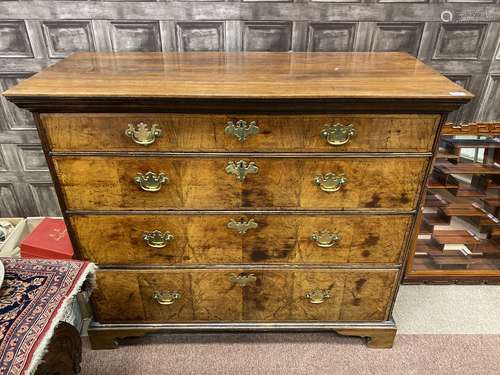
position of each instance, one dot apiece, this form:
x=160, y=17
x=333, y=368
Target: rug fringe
x=41, y=350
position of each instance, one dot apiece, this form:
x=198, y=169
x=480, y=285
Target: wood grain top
x=220, y=75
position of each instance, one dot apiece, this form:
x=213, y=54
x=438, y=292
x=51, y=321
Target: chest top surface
x=251, y=76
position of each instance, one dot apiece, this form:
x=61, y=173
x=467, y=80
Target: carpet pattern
x=290, y=354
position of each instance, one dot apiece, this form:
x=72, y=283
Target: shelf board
x=433, y=183
x=466, y=190
x=445, y=253
x=433, y=202
x=454, y=237
x=463, y=210
x=467, y=168
x=491, y=129
x=444, y=154
x=471, y=143
x=436, y=219
x=455, y=261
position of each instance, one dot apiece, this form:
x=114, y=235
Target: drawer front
x=230, y=239
x=214, y=133
x=108, y=183
x=243, y=295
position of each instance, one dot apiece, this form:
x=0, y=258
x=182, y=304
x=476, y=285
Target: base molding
x=375, y=338
x=378, y=334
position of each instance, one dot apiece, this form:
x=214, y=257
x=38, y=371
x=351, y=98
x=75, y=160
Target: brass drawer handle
x=318, y=295
x=241, y=169
x=157, y=239
x=325, y=238
x=241, y=130
x=150, y=181
x=141, y=135
x=166, y=298
x=243, y=279
x=330, y=182
x=338, y=134
x=242, y=226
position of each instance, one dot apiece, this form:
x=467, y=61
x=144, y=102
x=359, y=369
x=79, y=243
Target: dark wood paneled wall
x=460, y=38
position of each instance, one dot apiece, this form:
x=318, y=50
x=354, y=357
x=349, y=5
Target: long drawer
x=162, y=182
x=243, y=295
x=226, y=133
x=238, y=238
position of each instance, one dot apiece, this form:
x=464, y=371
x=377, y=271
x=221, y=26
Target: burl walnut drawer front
x=219, y=133
x=243, y=295
x=226, y=239
x=157, y=183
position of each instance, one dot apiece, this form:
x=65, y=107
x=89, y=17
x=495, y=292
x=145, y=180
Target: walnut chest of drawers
x=241, y=191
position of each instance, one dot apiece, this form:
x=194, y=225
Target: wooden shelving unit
x=459, y=228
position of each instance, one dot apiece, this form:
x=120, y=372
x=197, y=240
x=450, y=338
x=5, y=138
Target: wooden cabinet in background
x=459, y=235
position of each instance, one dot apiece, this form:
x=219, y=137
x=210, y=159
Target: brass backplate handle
x=326, y=238
x=330, y=182
x=242, y=226
x=338, y=134
x=141, y=134
x=157, y=239
x=150, y=181
x=241, y=169
x=317, y=295
x=167, y=297
x=241, y=130
x=243, y=279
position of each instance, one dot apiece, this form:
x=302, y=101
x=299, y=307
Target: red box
x=49, y=240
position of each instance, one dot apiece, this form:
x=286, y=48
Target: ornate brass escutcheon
x=318, y=295
x=150, y=181
x=241, y=129
x=241, y=168
x=338, y=134
x=166, y=298
x=326, y=239
x=141, y=135
x=330, y=182
x=242, y=226
x=157, y=238
x=243, y=279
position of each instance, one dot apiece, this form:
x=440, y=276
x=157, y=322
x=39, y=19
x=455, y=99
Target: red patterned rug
x=33, y=297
